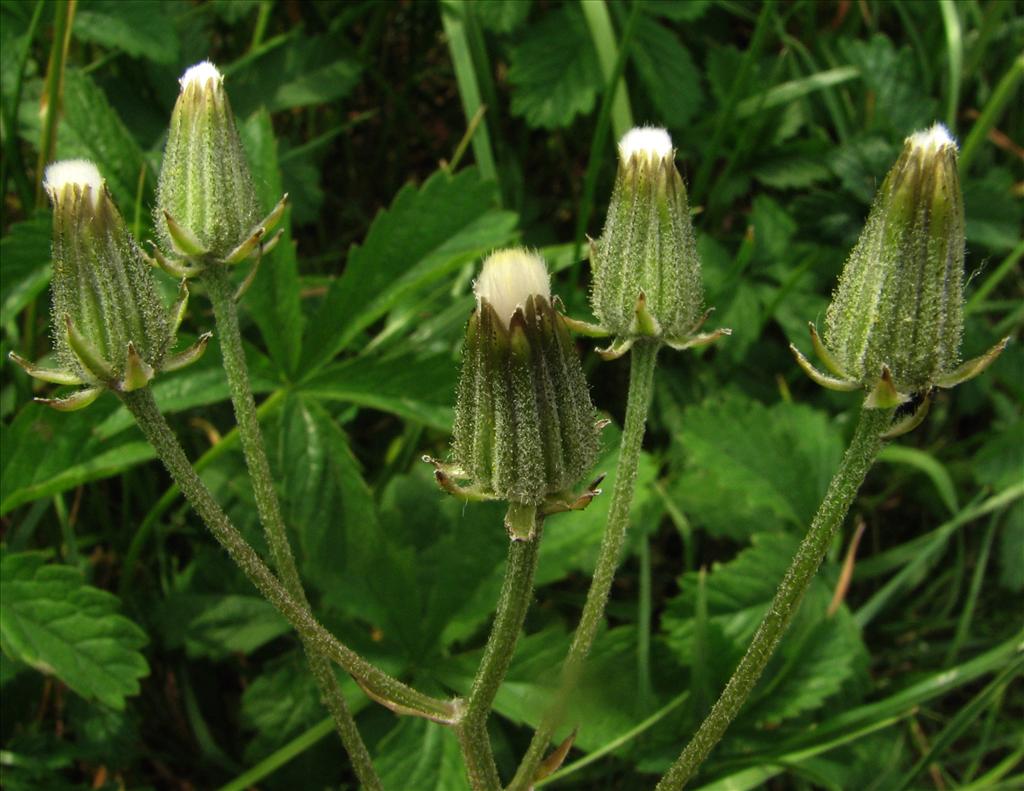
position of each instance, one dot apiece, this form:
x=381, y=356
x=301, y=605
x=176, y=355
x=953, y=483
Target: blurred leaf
x=421, y=754
x=994, y=215
x=779, y=458
x=424, y=234
x=898, y=104
x=667, y=71
x=680, y=10
x=791, y=171
x=930, y=466
x=553, y=70
x=24, y=264
x=861, y=164
x=501, y=16
x=273, y=299
x=218, y=624
x=91, y=129
x=279, y=704
x=52, y=620
x=1011, y=549
x=414, y=387
x=141, y=28
x=999, y=463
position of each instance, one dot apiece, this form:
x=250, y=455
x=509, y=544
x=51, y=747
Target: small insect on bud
x=646, y=270
x=110, y=329
x=896, y=318
x=207, y=209
x=525, y=428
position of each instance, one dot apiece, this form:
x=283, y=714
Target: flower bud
x=646, y=270
x=206, y=203
x=109, y=326
x=525, y=427
x=896, y=318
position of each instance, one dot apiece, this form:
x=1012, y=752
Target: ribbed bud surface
x=524, y=423
x=648, y=242
x=899, y=301
x=100, y=280
x=205, y=183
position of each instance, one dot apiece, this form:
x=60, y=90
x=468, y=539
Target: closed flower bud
x=896, y=318
x=525, y=428
x=645, y=265
x=207, y=209
x=109, y=326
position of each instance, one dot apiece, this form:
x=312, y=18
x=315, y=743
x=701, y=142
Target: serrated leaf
x=791, y=172
x=140, y=28
x=412, y=386
x=90, y=128
x=426, y=233
x=421, y=754
x=273, y=298
x=554, y=71
x=667, y=70
x=217, y=624
x=994, y=216
x=280, y=703
x=781, y=458
x=24, y=264
x=52, y=620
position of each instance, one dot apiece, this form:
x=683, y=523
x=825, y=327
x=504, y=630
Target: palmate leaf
x=423, y=755
x=667, y=70
x=52, y=620
x=140, y=28
x=781, y=457
x=554, y=71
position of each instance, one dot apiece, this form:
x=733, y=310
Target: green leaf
x=273, y=298
x=930, y=466
x=218, y=624
x=279, y=704
x=781, y=458
x=414, y=387
x=24, y=264
x=994, y=214
x=51, y=619
x=427, y=232
x=421, y=754
x=667, y=70
x=680, y=10
x=553, y=70
x=140, y=28
x=90, y=128
x=998, y=463
x=501, y=16
x=1011, y=549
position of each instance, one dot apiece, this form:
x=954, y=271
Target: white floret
x=651, y=142
x=509, y=277
x=932, y=140
x=80, y=172
x=201, y=73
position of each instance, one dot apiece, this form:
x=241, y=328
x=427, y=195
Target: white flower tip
x=651, y=142
x=509, y=277
x=932, y=140
x=79, y=172
x=201, y=73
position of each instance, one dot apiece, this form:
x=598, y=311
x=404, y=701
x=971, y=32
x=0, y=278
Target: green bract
x=109, y=326
x=525, y=428
x=646, y=269
x=207, y=210
x=896, y=318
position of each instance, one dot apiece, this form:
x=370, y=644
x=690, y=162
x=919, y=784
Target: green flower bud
x=896, y=318
x=110, y=329
x=207, y=208
x=525, y=428
x=646, y=270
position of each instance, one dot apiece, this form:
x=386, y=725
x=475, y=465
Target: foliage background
x=162, y=669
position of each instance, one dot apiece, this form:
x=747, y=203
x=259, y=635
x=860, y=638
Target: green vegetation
x=413, y=139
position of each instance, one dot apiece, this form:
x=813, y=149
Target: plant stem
x=514, y=601
x=269, y=508
x=378, y=684
x=864, y=447
x=641, y=380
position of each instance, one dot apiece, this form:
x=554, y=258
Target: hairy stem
x=641, y=380
x=269, y=508
x=514, y=601
x=378, y=684
x=867, y=442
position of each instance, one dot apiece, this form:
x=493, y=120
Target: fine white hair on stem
x=80, y=172
x=509, y=277
x=651, y=142
x=932, y=139
x=201, y=73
